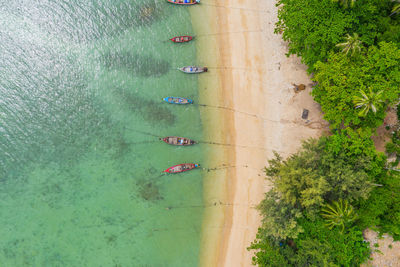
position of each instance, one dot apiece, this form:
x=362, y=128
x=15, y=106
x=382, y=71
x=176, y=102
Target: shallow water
x=81, y=165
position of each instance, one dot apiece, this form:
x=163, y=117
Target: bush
x=340, y=79
x=382, y=208
x=314, y=27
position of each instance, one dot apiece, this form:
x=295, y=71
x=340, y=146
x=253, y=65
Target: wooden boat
x=193, y=69
x=184, y=2
x=181, y=39
x=182, y=167
x=178, y=100
x=178, y=141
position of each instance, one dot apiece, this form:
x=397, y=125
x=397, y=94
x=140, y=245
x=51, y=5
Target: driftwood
x=298, y=87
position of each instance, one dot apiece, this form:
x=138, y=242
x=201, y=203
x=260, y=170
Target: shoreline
x=215, y=184
x=252, y=76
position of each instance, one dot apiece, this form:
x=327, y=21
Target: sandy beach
x=253, y=77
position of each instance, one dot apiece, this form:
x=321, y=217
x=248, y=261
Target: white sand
x=255, y=78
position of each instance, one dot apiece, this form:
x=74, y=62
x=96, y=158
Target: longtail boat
x=181, y=39
x=184, y=2
x=193, y=69
x=182, y=167
x=178, y=100
x=178, y=141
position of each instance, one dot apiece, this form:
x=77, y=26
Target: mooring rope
x=232, y=7
x=213, y=34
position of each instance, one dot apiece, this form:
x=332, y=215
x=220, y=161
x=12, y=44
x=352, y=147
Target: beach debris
x=304, y=115
x=298, y=87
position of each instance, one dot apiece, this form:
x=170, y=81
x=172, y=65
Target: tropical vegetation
x=325, y=195
x=352, y=43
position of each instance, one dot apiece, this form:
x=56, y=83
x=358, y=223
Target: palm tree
x=396, y=8
x=339, y=213
x=345, y=3
x=353, y=43
x=368, y=101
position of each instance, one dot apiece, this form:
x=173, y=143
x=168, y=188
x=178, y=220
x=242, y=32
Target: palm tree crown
x=371, y=101
x=345, y=3
x=396, y=7
x=339, y=213
x=352, y=43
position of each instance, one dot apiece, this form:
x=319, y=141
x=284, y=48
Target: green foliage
x=339, y=213
x=371, y=19
x=342, y=166
x=396, y=7
x=279, y=217
x=312, y=252
x=368, y=101
x=345, y=248
x=345, y=3
x=352, y=43
x=398, y=112
x=345, y=167
x=316, y=246
x=393, y=147
x=312, y=27
x=325, y=170
x=382, y=208
x=267, y=253
x=341, y=79
x=391, y=34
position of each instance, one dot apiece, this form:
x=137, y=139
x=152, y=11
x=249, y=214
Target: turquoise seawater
x=81, y=84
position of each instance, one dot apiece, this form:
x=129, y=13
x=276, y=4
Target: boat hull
x=178, y=100
x=184, y=2
x=182, y=168
x=193, y=69
x=178, y=141
x=181, y=39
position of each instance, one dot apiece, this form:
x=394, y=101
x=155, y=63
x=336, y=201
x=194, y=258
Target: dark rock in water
x=149, y=191
x=148, y=109
x=152, y=170
x=147, y=14
x=144, y=66
x=120, y=146
x=161, y=114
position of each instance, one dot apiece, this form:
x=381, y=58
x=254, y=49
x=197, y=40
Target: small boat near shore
x=193, y=69
x=178, y=141
x=182, y=168
x=178, y=100
x=182, y=39
x=184, y=2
